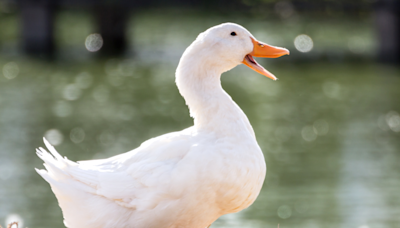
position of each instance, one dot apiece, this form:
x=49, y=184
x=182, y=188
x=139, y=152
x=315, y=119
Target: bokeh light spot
x=393, y=121
x=94, y=42
x=54, y=136
x=77, y=135
x=321, y=127
x=106, y=138
x=308, y=133
x=284, y=212
x=10, y=70
x=303, y=43
x=71, y=92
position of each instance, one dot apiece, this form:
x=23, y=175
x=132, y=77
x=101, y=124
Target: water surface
x=330, y=130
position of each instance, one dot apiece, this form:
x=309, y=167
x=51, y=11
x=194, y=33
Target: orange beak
x=265, y=51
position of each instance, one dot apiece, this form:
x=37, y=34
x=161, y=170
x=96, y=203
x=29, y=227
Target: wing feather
x=135, y=179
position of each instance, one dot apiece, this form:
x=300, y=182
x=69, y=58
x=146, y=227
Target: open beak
x=265, y=51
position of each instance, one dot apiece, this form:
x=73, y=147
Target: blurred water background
x=329, y=128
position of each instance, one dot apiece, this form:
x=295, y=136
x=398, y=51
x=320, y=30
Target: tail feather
x=52, y=150
x=54, y=163
x=61, y=169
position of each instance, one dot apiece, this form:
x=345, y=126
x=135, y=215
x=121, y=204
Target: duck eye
x=233, y=33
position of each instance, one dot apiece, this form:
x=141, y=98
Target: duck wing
x=139, y=179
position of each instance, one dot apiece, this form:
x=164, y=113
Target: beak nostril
x=261, y=45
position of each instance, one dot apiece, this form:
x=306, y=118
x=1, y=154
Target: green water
x=330, y=130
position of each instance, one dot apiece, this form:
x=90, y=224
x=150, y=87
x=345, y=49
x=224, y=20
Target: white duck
x=183, y=179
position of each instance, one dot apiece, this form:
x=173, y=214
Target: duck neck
x=210, y=106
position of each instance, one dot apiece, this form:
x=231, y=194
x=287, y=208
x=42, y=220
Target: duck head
x=227, y=45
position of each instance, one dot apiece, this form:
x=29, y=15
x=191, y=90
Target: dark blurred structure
x=112, y=22
x=111, y=18
x=37, y=26
x=38, y=17
x=387, y=13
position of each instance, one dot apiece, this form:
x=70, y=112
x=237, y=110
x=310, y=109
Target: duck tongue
x=252, y=63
